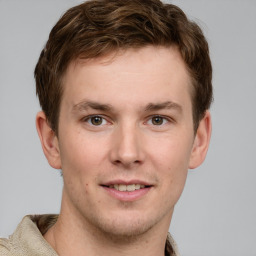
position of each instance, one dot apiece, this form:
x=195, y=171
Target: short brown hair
x=98, y=27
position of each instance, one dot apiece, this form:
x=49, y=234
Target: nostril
x=127, y=163
x=117, y=162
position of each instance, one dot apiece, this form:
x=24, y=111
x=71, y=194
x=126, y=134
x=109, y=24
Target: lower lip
x=127, y=196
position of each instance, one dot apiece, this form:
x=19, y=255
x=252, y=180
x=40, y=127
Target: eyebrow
x=84, y=105
x=163, y=105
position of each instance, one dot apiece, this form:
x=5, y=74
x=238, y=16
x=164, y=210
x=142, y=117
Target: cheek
x=171, y=160
x=81, y=151
x=173, y=180
x=173, y=153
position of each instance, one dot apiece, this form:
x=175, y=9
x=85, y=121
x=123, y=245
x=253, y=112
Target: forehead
x=144, y=73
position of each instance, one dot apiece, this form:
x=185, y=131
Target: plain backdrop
x=216, y=214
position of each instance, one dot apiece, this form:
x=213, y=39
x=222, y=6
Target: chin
x=124, y=228
x=125, y=231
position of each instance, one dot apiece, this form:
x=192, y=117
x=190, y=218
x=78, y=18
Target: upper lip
x=126, y=182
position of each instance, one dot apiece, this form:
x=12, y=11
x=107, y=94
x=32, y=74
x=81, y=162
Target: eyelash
x=165, y=120
x=88, y=119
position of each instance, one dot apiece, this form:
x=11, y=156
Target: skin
x=125, y=92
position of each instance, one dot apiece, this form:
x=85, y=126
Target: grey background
x=216, y=214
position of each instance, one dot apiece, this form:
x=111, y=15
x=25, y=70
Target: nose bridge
x=127, y=148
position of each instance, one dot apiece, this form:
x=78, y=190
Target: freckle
x=146, y=241
x=98, y=201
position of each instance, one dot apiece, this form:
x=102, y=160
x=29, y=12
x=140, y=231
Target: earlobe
x=201, y=142
x=49, y=141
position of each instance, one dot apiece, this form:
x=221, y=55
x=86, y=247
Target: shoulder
x=171, y=246
x=12, y=245
x=28, y=239
x=5, y=247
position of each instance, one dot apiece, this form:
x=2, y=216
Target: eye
x=96, y=120
x=158, y=120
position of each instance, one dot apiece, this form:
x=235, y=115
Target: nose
x=127, y=149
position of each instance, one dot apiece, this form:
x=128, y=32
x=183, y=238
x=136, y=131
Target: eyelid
x=166, y=118
x=87, y=118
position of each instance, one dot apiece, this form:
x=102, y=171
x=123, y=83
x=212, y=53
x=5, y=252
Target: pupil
x=97, y=120
x=157, y=120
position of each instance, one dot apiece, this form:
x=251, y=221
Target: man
x=125, y=88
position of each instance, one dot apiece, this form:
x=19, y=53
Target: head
x=98, y=28
x=124, y=87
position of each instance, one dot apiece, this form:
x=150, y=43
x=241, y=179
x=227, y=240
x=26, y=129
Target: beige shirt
x=28, y=240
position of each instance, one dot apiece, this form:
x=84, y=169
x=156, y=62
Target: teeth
x=131, y=187
x=122, y=187
x=137, y=186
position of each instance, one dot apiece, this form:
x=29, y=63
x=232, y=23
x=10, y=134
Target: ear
x=201, y=142
x=49, y=141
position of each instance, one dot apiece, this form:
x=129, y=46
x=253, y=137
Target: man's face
x=125, y=139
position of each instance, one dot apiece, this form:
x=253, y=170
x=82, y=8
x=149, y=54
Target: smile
x=127, y=191
x=130, y=187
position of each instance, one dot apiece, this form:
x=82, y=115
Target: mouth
x=127, y=191
x=126, y=188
